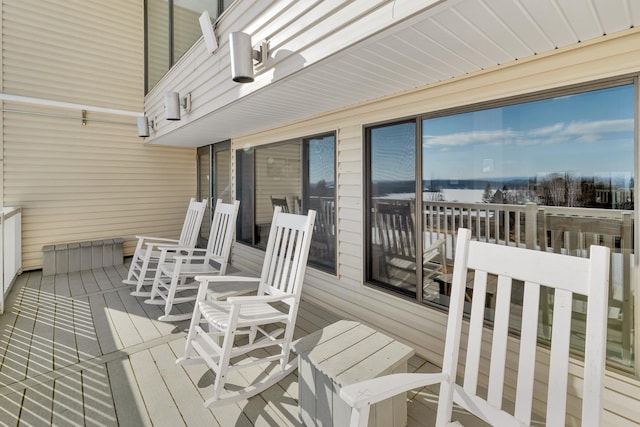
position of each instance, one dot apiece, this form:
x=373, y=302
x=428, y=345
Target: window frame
x=574, y=89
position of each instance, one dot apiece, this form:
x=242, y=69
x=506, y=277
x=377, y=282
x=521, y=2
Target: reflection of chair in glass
x=147, y=251
x=280, y=202
x=172, y=277
x=573, y=235
x=565, y=276
x=267, y=326
x=323, y=244
x=434, y=263
x=396, y=237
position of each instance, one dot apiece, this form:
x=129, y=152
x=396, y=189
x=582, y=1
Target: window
x=296, y=176
x=392, y=198
x=214, y=177
x=172, y=27
x=555, y=173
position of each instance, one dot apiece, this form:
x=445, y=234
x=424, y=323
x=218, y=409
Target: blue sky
x=587, y=134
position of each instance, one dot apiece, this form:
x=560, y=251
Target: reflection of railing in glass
x=324, y=234
x=563, y=230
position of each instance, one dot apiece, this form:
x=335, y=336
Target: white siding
x=298, y=33
x=78, y=182
x=419, y=326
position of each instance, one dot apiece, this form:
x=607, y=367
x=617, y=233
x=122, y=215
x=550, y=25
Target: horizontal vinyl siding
x=419, y=326
x=298, y=33
x=75, y=182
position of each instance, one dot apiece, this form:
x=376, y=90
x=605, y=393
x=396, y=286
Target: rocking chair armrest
x=156, y=239
x=259, y=299
x=211, y=279
x=163, y=245
x=180, y=258
x=371, y=391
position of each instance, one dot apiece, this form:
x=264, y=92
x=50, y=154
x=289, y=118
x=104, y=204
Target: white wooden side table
x=345, y=353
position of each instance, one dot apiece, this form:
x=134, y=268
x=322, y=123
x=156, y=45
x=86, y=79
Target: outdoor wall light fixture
x=143, y=126
x=207, y=32
x=243, y=55
x=173, y=102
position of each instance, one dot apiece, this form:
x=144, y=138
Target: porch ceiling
x=451, y=39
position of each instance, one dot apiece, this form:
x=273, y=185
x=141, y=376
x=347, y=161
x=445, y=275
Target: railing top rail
x=585, y=212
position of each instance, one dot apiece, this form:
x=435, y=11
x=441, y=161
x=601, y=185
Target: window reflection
x=321, y=197
x=392, y=184
x=172, y=27
x=295, y=176
x=556, y=174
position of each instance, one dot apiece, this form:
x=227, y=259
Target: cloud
x=557, y=133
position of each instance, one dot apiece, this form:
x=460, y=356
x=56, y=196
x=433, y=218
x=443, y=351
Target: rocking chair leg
x=223, y=363
x=143, y=271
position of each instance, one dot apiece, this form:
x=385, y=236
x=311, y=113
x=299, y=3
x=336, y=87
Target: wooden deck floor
x=77, y=349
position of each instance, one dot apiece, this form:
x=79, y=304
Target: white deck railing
x=10, y=249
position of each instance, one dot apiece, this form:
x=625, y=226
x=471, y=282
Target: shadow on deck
x=77, y=349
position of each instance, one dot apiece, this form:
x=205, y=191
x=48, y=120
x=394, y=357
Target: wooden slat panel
x=560, y=339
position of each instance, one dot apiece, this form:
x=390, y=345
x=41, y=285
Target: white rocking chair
x=174, y=270
x=147, y=250
x=255, y=316
x=565, y=276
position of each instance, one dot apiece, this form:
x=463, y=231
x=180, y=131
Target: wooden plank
x=99, y=407
x=65, y=350
x=123, y=326
x=202, y=379
x=67, y=402
x=102, y=279
x=128, y=402
x=37, y=405
x=374, y=366
x=89, y=282
x=84, y=330
x=187, y=399
x=61, y=285
x=76, y=286
x=314, y=340
x=105, y=331
x=10, y=407
x=350, y=356
x=144, y=325
x=157, y=398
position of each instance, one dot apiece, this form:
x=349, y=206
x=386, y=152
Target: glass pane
x=222, y=175
x=322, y=198
x=186, y=27
x=278, y=183
x=157, y=41
x=204, y=190
x=392, y=249
x=244, y=193
x=555, y=175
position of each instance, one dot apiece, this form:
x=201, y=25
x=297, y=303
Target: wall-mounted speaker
x=207, y=32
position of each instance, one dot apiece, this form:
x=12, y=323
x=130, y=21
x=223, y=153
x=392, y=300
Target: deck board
x=78, y=349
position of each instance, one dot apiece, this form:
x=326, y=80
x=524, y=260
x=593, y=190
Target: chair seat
x=142, y=253
x=217, y=314
x=189, y=269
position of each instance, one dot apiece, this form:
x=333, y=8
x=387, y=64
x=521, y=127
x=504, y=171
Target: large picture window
x=555, y=173
x=296, y=176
